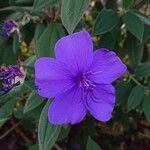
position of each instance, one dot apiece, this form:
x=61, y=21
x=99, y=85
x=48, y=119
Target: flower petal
x=76, y=51
x=106, y=66
x=100, y=102
x=51, y=77
x=67, y=108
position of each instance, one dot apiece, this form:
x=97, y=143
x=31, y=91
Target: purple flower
x=8, y=28
x=9, y=77
x=79, y=79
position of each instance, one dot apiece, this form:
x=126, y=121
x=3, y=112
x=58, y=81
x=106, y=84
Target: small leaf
x=64, y=132
x=135, y=50
x=33, y=101
x=143, y=18
x=135, y=97
x=106, y=20
x=127, y=3
x=134, y=24
x=2, y=121
x=38, y=4
x=47, y=133
x=39, y=30
x=146, y=35
x=146, y=107
x=71, y=13
x=6, y=110
x=122, y=91
x=143, y=70
x=34, y=147
x=92, y=145
x=16, y=43
x=45, y=44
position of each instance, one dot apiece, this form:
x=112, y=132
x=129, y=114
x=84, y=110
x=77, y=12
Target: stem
x=135, y=80
x=21, y=133
x=8, y=131
x=57, y=147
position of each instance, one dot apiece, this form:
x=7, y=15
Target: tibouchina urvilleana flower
x=8, y=27
x=78, y=79
x=10, y=77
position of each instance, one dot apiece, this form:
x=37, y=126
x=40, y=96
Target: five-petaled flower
x=79, y=79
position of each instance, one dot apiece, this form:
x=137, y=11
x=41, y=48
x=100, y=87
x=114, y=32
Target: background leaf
x=38, y=4
x=71, y=12
x=134, y=24
x=106, y=20
x=135, y=98
x=46, y=42
x=146, y=107
x=33, y=101
x=6, y=110
x=91, y=145
x=143, y=70
x=47, y=133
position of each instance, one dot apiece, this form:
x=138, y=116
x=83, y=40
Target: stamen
x=85, y=84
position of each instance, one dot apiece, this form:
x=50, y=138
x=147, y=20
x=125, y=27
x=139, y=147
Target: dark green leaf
x=45, y=44
x=34, y=147
x=39, y=30
x=106, y=20
x=134, y=24
x=92, y=145
x=33, y=101
x=71, y=12
x=143, y=70
x=135, y=50
x=146, y=35
x=143, y=18
x=38, y=4
x=64, y=132
x=146, y=107
x=122, y=91
x=6, y=110
x=47, y=133
x=16, y=43
x=127, y=3
x=135, y=97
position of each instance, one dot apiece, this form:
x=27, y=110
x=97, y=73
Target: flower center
x=85, y=83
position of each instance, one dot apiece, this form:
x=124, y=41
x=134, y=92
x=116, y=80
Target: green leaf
x=92, y=145
x=33, y=101
x=6, y=110
x=143, y=70
x=45, y=44
x=39, y=30
x=142, y=17
x=146, y=35
x=127, y=3
x=106, y=20
x=47, y=133
x=122, y=91
x=135, y=97
x=71, y=13
x=16, y=43
x=34, y=147
x=64, y=132
x=38, y=4
x=135, y=50
x=134, y=24
x=146, y=107
x=2, y=121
